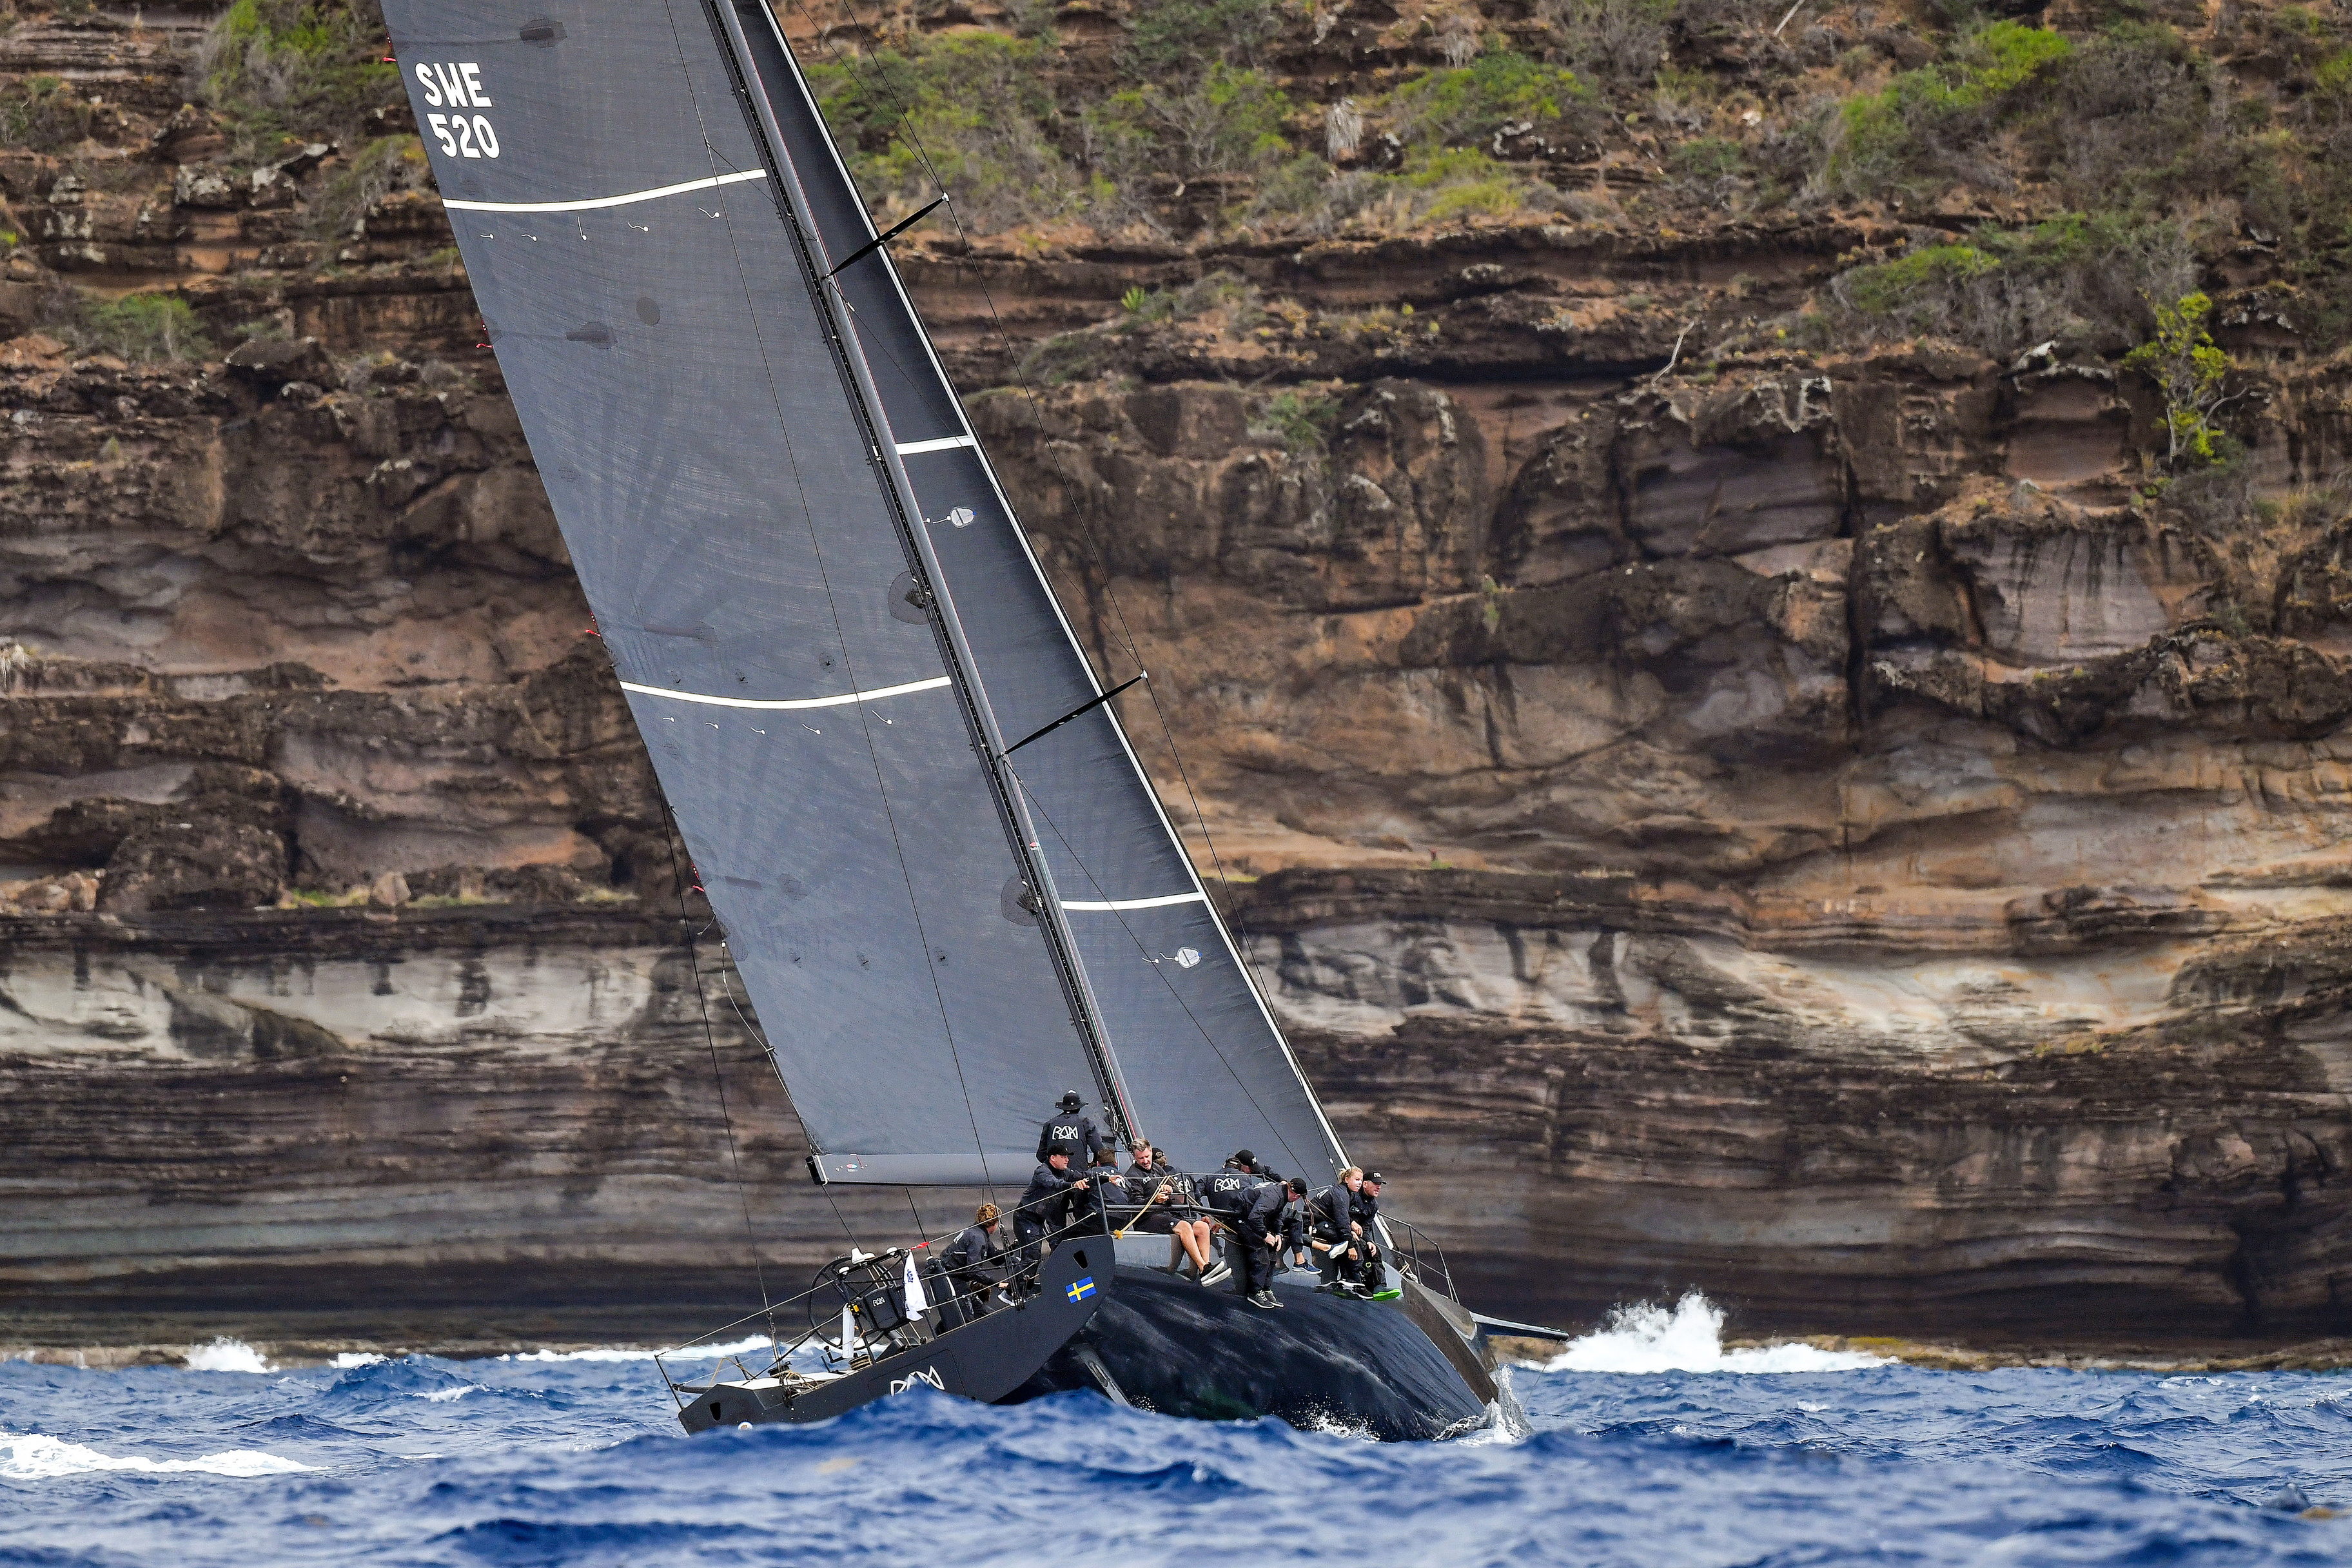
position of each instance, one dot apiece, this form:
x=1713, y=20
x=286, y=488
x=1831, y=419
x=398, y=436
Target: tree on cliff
x=2193, y=373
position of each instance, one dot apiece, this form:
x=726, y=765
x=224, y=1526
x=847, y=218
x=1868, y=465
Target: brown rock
x=275, y=362
x=194, y=866
x=20, y=309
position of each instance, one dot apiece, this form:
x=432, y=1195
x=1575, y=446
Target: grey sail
x=1199, y=1060
x=822, y=610
x=721, y=507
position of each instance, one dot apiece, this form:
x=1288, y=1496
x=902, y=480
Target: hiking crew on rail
x=1266, y=1223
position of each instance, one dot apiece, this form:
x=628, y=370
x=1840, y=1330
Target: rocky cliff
x=1748, y=754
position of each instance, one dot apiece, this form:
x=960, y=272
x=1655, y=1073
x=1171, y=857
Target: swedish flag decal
x=1083, y=1288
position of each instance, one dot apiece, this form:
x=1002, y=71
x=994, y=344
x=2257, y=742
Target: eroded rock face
x=1811, y=826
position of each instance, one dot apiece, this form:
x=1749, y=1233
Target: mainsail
x=826, y=617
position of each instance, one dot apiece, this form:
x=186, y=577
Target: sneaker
x=1219, y=1275
x=1265, y=1298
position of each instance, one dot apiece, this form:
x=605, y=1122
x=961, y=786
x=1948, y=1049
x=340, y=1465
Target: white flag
x=848, y=1331
x=916, y=1305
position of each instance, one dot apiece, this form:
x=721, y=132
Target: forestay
x=823, y=610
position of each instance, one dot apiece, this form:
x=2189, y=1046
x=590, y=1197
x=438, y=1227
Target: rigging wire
x=904, y=129
x=711, y=1039
x=864, y=723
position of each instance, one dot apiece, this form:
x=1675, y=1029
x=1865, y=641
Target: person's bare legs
x=1195, y=1236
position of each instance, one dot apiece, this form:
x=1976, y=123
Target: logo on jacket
x=1083, y=1288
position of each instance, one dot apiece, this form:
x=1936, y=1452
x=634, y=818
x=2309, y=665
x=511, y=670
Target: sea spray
x=226, y=1355
x=33, y=1456
x=1643, y=1336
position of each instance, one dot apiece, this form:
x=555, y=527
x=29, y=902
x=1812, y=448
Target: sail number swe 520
x=459, y=87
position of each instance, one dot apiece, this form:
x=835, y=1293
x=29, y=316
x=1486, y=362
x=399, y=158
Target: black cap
x=1072, y=1099
x=1244, y=1158
x=1372, y=1178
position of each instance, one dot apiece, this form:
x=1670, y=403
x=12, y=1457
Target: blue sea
x=1651, y=1446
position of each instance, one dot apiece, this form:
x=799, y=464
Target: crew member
x=1297, y=1228
x=1368, y=1210
x=1072, y=1131
x=1249, y=1206
x=1337, y=1233
x=1044, y=1210
x=1157, y=1191
x=968, y=1264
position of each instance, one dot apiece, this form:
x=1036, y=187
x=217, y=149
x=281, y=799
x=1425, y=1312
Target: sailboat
x=945, y=880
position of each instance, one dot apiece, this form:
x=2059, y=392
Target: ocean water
x=1651, y=1447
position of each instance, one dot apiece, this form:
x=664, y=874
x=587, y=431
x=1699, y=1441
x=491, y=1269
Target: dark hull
x=1415, y=1368
x=1382, y=1367
x=988, y=1361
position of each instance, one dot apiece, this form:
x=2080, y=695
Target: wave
x=1647, y=1338
x=226, y=1355
x=692, y=1352
x=33, y=1457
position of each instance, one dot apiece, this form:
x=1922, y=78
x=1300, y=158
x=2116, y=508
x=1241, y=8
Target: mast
x=1177, y=1013
x=857, y=386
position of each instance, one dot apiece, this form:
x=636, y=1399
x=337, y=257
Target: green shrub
x=1170, y=39
x=1617, y=41
x=1304, y=421
x=1462, y=181
x=1899, y=288
x=139, y=328
x=386, y=165
x=1472, y=103
x=1893, y=136
x=42, y=114
x=972, y=108
x=2082, y=279
x=2131, y=121
x=1228, y=120
x=292, y=71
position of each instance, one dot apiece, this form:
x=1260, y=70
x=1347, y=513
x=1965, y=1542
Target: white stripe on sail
x=909, y=449
x=931, y=685
x=1138, y=903
x=586, y=202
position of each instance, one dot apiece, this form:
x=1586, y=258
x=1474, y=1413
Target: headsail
x=823, y=610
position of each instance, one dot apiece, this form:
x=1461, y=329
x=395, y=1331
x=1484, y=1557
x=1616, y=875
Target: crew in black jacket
x=1297, y=1227
x=1045, y=1209
x=1337, y=1236
x=1072, y=1131
x=1368, y=1209
x=968, y=1263
x=1250, y=1207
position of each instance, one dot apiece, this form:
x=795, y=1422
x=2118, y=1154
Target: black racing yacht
x=946, y=883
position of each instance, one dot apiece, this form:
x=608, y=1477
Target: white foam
x=35, y=1457
x=444, y=1395
x=1647, y=1338
x=693, y=1352
x=226, y=1355
x=346, y=1359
